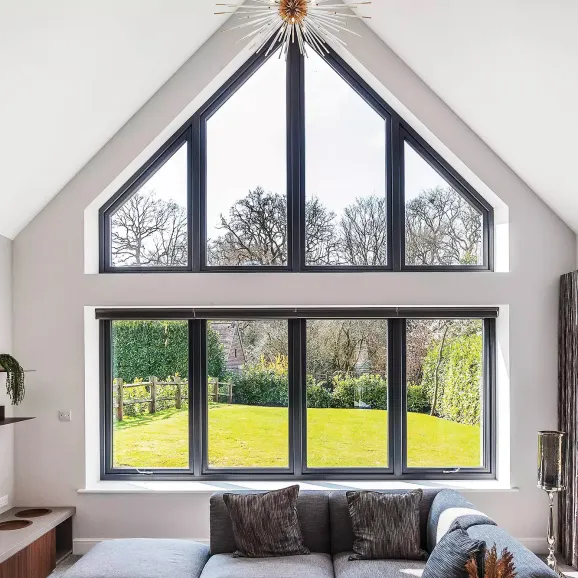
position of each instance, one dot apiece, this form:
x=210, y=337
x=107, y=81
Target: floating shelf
x=10, y=420
x=25, y=371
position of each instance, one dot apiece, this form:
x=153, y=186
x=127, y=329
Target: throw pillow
x=450, y=556
x=266, y=525
x=385, y=526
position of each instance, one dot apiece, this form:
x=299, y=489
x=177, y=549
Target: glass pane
x=441, y=227
x=347, y=393
x=444, y=393
x=248, y=394
x=346, y=209
x=150, y=368
x=150, y=228
x=247, y=173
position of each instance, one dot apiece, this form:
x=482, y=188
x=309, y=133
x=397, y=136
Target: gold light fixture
x=313, y=22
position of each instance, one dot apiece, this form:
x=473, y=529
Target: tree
x=149, y=231
x=255, y=232
x=364, y=232
x=442, y=228
x=216, y=360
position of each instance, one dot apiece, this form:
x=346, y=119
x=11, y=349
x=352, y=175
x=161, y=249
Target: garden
x=346, y=385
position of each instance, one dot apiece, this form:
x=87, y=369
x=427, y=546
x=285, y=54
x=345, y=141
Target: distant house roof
x=230, y=338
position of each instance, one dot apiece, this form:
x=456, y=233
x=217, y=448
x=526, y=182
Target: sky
x=246, y=145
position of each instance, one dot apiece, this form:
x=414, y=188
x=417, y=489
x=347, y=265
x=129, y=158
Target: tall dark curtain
x=568, y=414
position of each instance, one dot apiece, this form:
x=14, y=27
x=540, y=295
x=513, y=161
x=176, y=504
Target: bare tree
x=149, y=231
x=364, y=232
x=255, y=232
x=442, y=228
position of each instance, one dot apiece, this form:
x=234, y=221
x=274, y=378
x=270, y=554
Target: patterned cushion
x=450, y=556
x=267, y=524
x=385, y=526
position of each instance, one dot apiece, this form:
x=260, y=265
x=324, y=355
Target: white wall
x=6, y=432
x=51, y=291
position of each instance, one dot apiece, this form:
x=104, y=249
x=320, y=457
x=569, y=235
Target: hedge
x=142, y=349
x=460, y=379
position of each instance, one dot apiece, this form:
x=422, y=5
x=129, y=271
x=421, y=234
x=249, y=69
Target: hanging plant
x=14, y=378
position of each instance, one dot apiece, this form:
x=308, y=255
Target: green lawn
x=244, y=436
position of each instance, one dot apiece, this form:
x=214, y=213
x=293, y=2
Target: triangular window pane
x=441, y=226
x=150, y=228
x=346, y=207
x=246, y=206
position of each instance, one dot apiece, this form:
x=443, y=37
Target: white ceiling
x=509, y=69
x=73, y=72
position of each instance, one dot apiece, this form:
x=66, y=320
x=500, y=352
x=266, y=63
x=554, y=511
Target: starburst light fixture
x=313, y=22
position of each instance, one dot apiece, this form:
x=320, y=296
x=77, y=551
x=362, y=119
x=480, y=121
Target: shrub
x=369, y=389
x=318, y=394
x=460, y=379
x=258, y=385
x=417, y=400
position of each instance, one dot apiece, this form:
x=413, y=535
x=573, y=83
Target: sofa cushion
x=345, y=568
x=227, y=566
x=342, y=529
x=142, y=558
x=385, y=526
x=312, y=509
x=266, y=524
x=528, y=565
x=452, y=553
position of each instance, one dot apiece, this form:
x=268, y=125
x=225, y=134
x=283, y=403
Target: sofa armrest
x=528, y=565
x=448, y=508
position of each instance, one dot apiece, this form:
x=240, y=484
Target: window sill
x=114, y=487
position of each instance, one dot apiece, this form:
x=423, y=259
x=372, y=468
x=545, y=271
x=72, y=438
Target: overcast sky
x=246, y=145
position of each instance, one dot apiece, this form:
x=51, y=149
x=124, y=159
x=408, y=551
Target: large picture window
x=298, y=393
x=296, y=165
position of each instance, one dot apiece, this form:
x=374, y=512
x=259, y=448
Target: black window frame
x=397, y=468
x=397, y=131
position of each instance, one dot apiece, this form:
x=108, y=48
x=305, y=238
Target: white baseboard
x=82, y=545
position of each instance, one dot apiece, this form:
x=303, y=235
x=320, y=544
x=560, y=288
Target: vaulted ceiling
x=74, y=72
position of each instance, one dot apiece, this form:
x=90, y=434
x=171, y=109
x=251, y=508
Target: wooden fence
x=181, y=393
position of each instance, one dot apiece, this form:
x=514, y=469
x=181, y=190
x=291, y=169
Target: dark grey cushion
x=528, y=565
x=342, y=530
x=226, y=566
x=266, y=524
x=142, y=558
x=460, y=509
x=385, y=526
x=312, y=509
x=345, y=568
x=452, y=553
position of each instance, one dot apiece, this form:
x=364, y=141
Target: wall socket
x=3, y=501
x=65, y=415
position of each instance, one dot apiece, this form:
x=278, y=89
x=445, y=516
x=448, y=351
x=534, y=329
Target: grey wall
x=51, y=291
x=6, y=432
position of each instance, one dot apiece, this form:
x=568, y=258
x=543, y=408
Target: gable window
x=296, y=165
x=401, y=393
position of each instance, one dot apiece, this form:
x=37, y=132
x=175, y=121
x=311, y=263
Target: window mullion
x=397, y=201
x=197, y=214
x=296, y=158
x=297, y=392
x=396, y=392
x=197, y=411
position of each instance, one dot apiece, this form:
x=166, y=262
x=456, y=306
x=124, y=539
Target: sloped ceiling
x=509, y=69
x=73, y=72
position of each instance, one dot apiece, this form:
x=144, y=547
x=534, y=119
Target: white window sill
x=122, y=487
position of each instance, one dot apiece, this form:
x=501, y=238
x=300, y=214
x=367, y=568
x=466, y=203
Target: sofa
x=327, y=532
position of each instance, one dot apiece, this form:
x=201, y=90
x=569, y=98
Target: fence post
x=119, y=389
x=230, y=393
x=153, y=381
x=178, y=392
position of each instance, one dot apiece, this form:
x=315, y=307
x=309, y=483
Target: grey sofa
x=327, y=531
